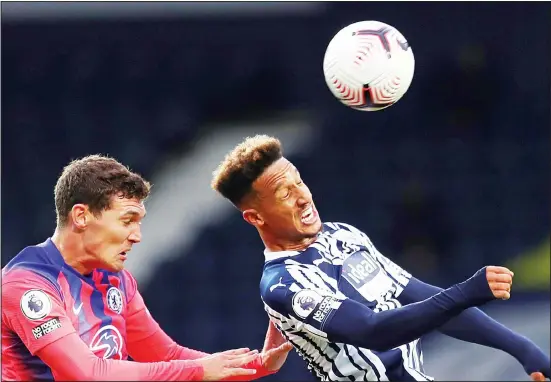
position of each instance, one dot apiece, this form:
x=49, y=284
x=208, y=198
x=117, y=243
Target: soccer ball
x=368, y=65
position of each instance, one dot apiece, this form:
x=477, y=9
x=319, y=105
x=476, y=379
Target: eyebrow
x=131, y=213
x=281, y=183
x=280, y=186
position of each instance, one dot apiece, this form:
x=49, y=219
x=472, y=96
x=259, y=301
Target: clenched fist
x=500, y=280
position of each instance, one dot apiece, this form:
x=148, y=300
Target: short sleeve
x=32, y=308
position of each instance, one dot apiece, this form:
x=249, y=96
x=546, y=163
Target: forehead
x=124, y=205
x=275, y=174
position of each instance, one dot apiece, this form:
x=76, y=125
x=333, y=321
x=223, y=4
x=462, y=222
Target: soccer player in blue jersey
x=349, y=311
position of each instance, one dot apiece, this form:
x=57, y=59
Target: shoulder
x=129, y=283
x=126, y=277
x=339, y=226
x=27, y=256
x=21, y=278
x=276, y=284
x=31, y=268
x=347, y=230
x=29, y=292
x=271, y=274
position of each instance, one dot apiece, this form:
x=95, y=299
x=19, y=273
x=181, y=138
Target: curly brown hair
x=235, y=175
x=94, y=180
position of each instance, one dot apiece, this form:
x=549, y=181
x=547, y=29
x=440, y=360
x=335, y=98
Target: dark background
x=453, y=177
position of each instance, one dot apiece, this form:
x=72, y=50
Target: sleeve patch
x=35, y=304
x=324, y=309
x=304, y=302
x=46, y=328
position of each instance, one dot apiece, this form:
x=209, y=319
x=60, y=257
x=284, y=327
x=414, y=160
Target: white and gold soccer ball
x=368, y=65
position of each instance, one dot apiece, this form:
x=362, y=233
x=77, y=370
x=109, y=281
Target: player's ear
x=252, y=217
x=80, y=216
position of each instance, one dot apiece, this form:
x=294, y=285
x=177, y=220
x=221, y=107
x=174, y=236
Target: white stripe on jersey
x=347, y=366
x=401, y=276
x=410, y=352
x=310, y=277
x=409, y=366
x=317, y=351
x=309, y=280
x=379, y=366
x=337, y=361
x=330, y=361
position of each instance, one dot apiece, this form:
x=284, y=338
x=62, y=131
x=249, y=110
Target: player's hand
x=500, y=280
x=274, y=359
x=276, y=349
x=536, y=363
x=537, y=376
x=227, y=364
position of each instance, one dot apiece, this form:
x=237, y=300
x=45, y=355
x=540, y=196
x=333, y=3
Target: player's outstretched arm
x=70, y=359
x=160, y=347
x=347, y=321
x=33, y=310
x=147, y=342
x=475, y=326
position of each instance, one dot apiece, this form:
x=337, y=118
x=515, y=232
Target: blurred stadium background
x=453, y=177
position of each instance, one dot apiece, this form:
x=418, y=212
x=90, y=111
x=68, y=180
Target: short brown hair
x=93, y=180
x=235, y=175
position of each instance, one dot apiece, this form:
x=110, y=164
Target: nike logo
x=76, y=311
x=279, y=284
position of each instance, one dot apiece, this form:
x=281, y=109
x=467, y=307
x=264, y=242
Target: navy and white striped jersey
x=342, y=263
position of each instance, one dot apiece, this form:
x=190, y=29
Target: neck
x=69, y=244
x=273, y=244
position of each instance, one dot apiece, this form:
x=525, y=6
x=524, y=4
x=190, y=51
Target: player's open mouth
x=123, y=255
x=309, y=216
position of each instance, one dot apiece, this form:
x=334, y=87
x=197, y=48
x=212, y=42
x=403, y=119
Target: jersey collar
x=269, y=256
